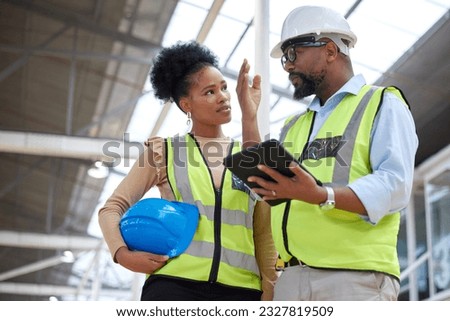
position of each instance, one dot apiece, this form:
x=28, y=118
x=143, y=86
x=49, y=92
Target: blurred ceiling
x=71, y=73
x=68, y=69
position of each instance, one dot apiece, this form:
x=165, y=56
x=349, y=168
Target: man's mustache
x=293, y=75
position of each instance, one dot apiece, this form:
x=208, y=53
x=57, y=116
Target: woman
x=236, y=258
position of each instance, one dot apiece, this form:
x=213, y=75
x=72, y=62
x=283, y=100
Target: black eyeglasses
x=291, y=44
x=291, y=53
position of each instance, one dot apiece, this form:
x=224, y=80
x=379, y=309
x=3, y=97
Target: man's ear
x=332, y=49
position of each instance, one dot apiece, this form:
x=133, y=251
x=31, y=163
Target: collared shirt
x=392, y=153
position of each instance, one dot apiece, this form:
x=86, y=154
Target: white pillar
x=262, y=56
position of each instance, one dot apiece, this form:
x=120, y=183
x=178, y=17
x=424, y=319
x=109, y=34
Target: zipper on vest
x=217, y=217
x=217, y=236
x=215, y=265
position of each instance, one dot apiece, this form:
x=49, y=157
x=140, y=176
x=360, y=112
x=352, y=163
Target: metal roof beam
x=33, y=267
x=76, y=54
x=209, y=20
x=71, y=18
x=104, y=149
x=48, y=241
x=56, y=290
x=27, y=54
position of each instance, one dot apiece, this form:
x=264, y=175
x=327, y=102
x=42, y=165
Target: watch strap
x=330, y=202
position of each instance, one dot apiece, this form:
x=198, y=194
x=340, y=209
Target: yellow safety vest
x=339, y=154
x=222, y=249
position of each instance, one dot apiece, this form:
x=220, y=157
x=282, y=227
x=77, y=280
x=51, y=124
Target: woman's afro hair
x=173, y=65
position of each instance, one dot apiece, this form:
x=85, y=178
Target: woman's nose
x=224, y=95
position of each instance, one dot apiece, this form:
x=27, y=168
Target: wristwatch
x=329, y=203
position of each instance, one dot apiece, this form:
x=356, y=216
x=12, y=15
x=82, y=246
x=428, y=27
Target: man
x=337, y=241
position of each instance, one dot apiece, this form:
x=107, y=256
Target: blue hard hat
x=159, y=226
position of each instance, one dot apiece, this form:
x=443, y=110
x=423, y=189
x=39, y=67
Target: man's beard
x=307, y=87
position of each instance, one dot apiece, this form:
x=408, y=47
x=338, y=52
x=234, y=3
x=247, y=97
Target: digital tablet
x=270, y=153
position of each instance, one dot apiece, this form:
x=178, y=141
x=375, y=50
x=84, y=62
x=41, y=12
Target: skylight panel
x=239, y=10
x=221, y=45
x=185, y=24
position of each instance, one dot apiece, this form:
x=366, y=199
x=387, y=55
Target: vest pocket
x=340, y=215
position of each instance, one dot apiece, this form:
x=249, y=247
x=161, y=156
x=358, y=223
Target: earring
x=189, y=119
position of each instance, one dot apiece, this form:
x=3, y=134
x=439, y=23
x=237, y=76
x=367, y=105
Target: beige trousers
x=303, y=283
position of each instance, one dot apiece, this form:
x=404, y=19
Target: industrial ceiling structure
x=71, y=74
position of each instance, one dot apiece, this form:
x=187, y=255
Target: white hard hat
x=318, y=22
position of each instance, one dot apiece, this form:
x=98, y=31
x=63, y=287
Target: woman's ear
x=185, y=105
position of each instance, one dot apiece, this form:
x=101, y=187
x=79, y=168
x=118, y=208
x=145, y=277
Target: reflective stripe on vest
x=233, y=247
x=231, y=217
x=336, y=238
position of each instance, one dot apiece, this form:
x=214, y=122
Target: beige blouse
x=150, y=170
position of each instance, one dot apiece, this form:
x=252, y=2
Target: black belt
x=281, y=265
x=293, y=262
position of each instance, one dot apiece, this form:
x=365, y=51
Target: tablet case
x=270, y=153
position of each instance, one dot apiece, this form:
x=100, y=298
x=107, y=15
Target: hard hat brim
x=276, y=51
x=332, y=34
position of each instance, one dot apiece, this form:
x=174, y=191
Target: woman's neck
x=211, y=132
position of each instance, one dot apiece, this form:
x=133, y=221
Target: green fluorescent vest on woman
x=222, y=249
x=339, y=154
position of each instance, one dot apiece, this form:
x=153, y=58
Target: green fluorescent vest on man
x=304, y=230
x=222, y=249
